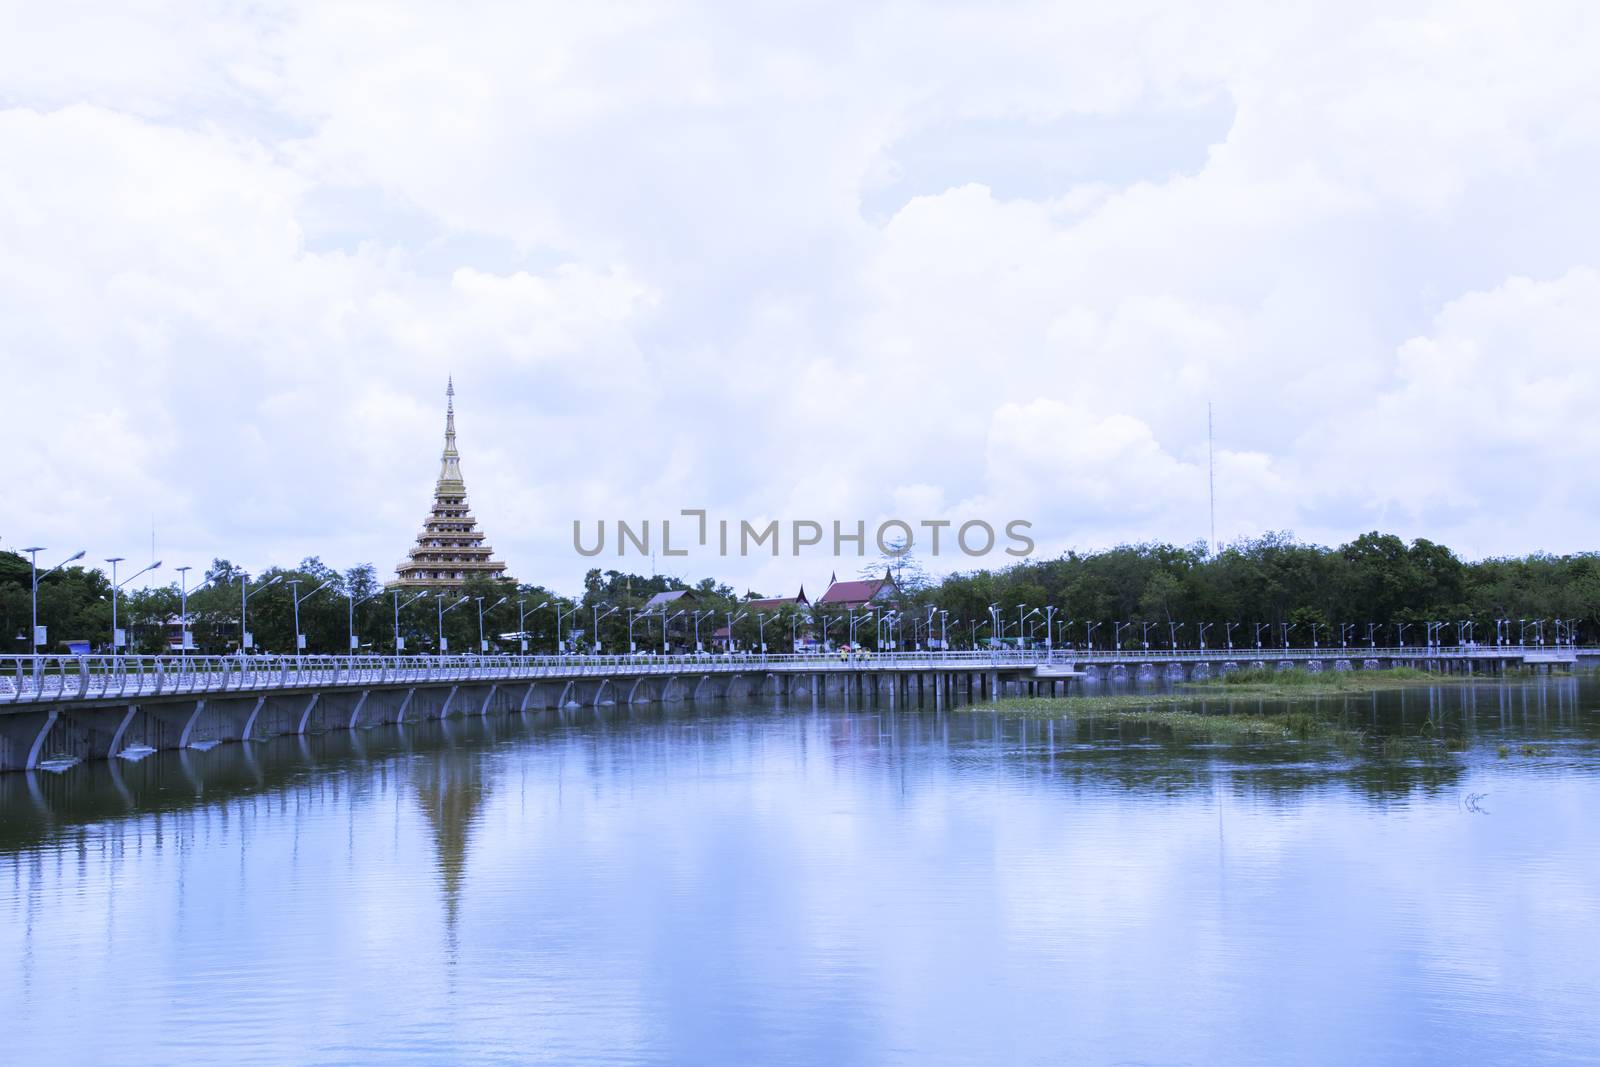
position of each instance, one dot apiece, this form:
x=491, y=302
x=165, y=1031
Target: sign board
x=249, y=640
x=188, y=640
x=400, y=645
x=119, y=639
x=483, y=646
x=355, y=642
x=300, y=642
x=77, y=648
x=524, y=644
x=444, y=644
x=39, y=637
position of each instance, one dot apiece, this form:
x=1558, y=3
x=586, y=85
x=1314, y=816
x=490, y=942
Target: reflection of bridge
x=55, y=708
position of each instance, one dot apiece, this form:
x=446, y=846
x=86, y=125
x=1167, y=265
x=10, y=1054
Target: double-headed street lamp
x=560, y=644
x=294, y=592
x=118, y=639
x=444, y=644
x=399, y=642
x=350, y=596
x=522, y=622
x=598, y=618
x=666, y=622
x=246, y=638
x=733, y=618
x=483, y=643
x=34, y=640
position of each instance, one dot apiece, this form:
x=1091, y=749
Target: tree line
x=1369, y=588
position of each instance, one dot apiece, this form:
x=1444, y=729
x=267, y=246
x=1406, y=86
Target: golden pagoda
x=450, y=549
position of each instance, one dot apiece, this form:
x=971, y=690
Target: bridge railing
x=44, y=679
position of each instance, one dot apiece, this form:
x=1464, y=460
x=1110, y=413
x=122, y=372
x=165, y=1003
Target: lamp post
x=483, y=644
x=666, y=621
x=1172, y=634
x=1400, y=634
x=733, y=618
x=560, y=644
x=597, y=617
x=1284, y=628
x=350, y=596
x=980, y=624
x=33, y=563
x=118, y=640
x=1230, y=627
x=444, y=645
x=761, y=631
x=1203, y=628
x=1144, y=636
x=183, y=610
x=1117, y=628
x=522, y=622
x=1022, y=638
x=1344, y=633
x=1259, y=627
x=1372, y=635
x=246, y=639
x=698, y=615
x=1088, y=635
x=294, y=591
x=399, y=642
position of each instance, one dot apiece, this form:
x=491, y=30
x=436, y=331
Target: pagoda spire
x=450, y=460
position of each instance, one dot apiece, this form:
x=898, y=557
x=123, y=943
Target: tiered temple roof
x=450, y=549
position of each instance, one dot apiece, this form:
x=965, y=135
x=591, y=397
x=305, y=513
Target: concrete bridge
x=57, y=710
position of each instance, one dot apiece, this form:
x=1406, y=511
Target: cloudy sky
x=822, y=261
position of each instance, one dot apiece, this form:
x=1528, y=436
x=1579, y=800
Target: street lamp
x=560, y=644
x=666, y=621
x=444, y=644
x=33, y=563
x=761, y=631
x=294, y=591
x=351, y=597
x=246, y=639
x=1021, y=618
x=1259, y=627
x=698, y=615
x=399, y=642
x=1088, y=634
x=597, y=618
x=1203, y=628
x=522, y=622
x=483, y=644
x=732, y=618
x=118, y=639
x=1117, y=628
x=1230, y=627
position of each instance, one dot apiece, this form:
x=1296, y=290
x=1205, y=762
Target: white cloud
x=238, y=253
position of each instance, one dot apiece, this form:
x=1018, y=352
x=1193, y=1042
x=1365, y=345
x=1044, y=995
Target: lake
x=735, y=883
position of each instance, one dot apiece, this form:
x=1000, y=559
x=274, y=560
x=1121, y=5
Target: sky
x=818, y=261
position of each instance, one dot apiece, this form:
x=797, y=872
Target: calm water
x=753, y=884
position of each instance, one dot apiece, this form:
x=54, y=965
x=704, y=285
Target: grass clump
x=1176, y=714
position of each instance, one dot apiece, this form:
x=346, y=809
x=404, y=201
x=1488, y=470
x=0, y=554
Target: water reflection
x=761, y=883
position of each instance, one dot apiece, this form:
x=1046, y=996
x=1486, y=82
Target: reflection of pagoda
x=451, y=548
x=451, y=791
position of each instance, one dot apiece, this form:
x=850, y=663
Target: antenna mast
x=1211, y=475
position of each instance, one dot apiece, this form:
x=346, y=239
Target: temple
x=451, y=549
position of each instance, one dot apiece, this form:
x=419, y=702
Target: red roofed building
x=777, y=603
x=852, y=596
